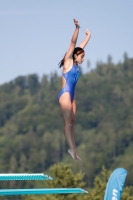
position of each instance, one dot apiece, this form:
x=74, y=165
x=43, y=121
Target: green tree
x=63, y=178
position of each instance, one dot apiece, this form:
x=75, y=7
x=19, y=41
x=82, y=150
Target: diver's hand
x=88, y=33
x=76, y=23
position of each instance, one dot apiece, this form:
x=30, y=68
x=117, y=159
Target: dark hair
x=77, y=51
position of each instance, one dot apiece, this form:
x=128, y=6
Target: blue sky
x=35, y=34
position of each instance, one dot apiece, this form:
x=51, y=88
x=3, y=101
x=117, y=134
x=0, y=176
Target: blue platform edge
x=5, y=192
x=23, y=176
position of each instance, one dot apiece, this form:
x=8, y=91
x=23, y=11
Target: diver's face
x=79, y=58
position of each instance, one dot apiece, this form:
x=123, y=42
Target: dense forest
x=31, y=125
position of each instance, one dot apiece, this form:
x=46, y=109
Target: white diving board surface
x=5, y=192
x=23, y=176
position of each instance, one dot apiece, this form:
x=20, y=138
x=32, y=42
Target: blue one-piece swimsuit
x=71, y=80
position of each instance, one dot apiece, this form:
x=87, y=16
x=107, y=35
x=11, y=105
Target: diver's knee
x=70, y=122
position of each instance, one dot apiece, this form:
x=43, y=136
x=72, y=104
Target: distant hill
x=31, y=125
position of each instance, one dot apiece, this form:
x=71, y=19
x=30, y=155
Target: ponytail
x=61, y=63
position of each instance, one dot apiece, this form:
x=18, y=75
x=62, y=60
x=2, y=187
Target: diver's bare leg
x=68, y=116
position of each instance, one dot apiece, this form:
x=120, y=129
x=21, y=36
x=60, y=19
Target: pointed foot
x=74, y=154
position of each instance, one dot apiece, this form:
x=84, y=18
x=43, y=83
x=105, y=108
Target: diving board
x=6, y=192
x=23, y=176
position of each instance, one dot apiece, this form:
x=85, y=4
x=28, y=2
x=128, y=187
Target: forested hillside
x=31, y=126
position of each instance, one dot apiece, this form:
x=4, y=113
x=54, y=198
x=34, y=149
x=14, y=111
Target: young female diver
x=72, y=58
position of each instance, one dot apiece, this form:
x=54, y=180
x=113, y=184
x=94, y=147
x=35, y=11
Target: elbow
x=73, y=42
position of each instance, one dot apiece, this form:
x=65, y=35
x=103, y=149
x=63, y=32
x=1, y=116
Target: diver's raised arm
x=73, y=41
x=85, y=41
